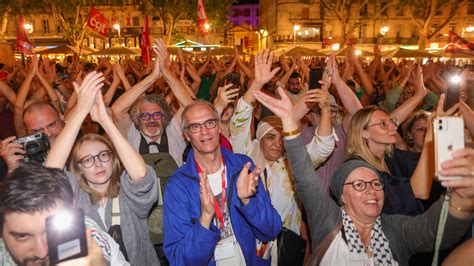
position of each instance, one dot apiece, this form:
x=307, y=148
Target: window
x=136, y=21
x=470, y=7
x=400, y=11
x=246, y=12
x=258, y=12
x=382, y=6
x=363, y=11
x=45, y=26
x=305, y=13
x=58, y=29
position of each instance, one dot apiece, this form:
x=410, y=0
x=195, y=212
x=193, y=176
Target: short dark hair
x=33, y=188
x=295, y=75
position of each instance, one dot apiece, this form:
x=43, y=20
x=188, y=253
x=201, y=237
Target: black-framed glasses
x=385, y=124
x=197, y=127
x=145, y=116
x=89, y=160
x=361, y=185
x=53, y=126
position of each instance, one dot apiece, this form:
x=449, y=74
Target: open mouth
x=371, y=201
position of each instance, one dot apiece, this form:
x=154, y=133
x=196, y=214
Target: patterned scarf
x=378, y=242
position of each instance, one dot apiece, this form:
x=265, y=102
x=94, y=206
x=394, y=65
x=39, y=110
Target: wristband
x=291, y=133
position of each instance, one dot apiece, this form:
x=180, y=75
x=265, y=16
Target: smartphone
x=234, y=78
x=66, y=234
x=315, y=75
x=448, y=137
x=452, y=93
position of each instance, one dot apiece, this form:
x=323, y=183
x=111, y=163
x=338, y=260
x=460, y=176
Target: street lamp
x=296, y=28
x=384, y=30
x=28, y=27
x=207, y=26
x=470, y=29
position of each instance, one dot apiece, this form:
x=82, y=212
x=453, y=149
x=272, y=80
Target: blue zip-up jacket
x=187, y=242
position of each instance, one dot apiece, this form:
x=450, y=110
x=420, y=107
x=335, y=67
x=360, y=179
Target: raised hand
x=162, y=53
x=263, y=64
x=419, y=82
x=86, y=92
x=318, y=96
x=247, y=182
x=225, y=95
x=207, y=200
x=99, y=111
x=281, y=107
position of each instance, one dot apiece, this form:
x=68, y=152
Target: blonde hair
x=114, y=186
x=357, y=145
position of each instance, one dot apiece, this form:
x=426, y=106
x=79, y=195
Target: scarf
x=378, y=241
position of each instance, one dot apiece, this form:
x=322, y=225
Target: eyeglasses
x=197, y=127
x=53, y=126
x=147, y=116
x=360, y=185
x=89, y=160
x=334, y=111
x=385, y=124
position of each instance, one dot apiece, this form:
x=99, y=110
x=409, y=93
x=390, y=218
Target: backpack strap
x=115, y=211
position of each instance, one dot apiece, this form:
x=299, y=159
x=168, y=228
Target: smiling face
x=271, y=145
x=99, y=174
x=375, y=131
x=206, y=140
x=364, y=206
x=25, y=237
x=152, y=128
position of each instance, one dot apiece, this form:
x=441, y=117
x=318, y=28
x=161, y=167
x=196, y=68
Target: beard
x=294, y=91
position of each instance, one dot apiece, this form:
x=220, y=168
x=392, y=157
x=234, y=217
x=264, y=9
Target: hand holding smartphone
x=448, y=137
x=66, y=234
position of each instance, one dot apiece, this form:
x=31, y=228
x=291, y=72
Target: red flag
x=146, y=48
x=201, y=17
x=23, y=43
x=456, y=42
x=97, y=22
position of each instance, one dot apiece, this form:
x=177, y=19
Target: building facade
x=290, y=22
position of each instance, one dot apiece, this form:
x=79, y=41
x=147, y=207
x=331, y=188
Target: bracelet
x=459, y=209
x=291, y=133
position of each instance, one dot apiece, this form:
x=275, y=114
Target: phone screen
x=315, y=75
x=452, y=96
x=66, y=234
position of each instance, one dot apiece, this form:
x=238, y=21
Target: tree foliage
x=171, y=11
x=423, y=12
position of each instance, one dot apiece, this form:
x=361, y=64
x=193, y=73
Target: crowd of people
x=205, y=160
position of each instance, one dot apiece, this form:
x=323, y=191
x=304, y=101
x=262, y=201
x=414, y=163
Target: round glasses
x=197, y=127
x=361, y=185
x=385, y=124
x=89, y=160
x=147, y=116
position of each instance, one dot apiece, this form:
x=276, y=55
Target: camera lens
x=32, y=147
x=440, y=121
x=440, y=127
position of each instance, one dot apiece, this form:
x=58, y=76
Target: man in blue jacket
x=215, y=208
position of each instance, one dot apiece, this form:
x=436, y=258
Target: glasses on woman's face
x=89, y=160
x=361, y=185
x=385, y=124
x=147, y=116
x=197, y=127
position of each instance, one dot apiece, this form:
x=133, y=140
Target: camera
x=36, y=146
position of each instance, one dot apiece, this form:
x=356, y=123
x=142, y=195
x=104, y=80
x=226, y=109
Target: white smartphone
x=448, y=137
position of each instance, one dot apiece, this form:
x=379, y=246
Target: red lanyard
x=219, y=213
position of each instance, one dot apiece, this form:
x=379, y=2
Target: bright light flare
x=296, y=27
x=455, y=79
x=63, y=221
x=358, y=52
x=207, y=26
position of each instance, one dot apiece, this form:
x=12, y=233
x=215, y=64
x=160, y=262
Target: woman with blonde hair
x=117, y=199
x=372, y=134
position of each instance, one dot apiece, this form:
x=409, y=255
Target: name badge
x=224, y=251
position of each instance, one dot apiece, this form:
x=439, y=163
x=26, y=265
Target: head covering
x=265, y=126
x=339, y=177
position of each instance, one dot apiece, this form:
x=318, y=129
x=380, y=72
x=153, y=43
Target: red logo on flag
x=97, y=22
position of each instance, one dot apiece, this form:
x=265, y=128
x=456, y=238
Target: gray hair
x=184, y=122
x=150, y=98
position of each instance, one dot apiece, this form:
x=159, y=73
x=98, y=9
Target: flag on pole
x=97, y=23
x=201, y=17
x=146, y=48
x=23, y=43
x=456, y=43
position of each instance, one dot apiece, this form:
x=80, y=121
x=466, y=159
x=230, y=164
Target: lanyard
x=219, y=213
